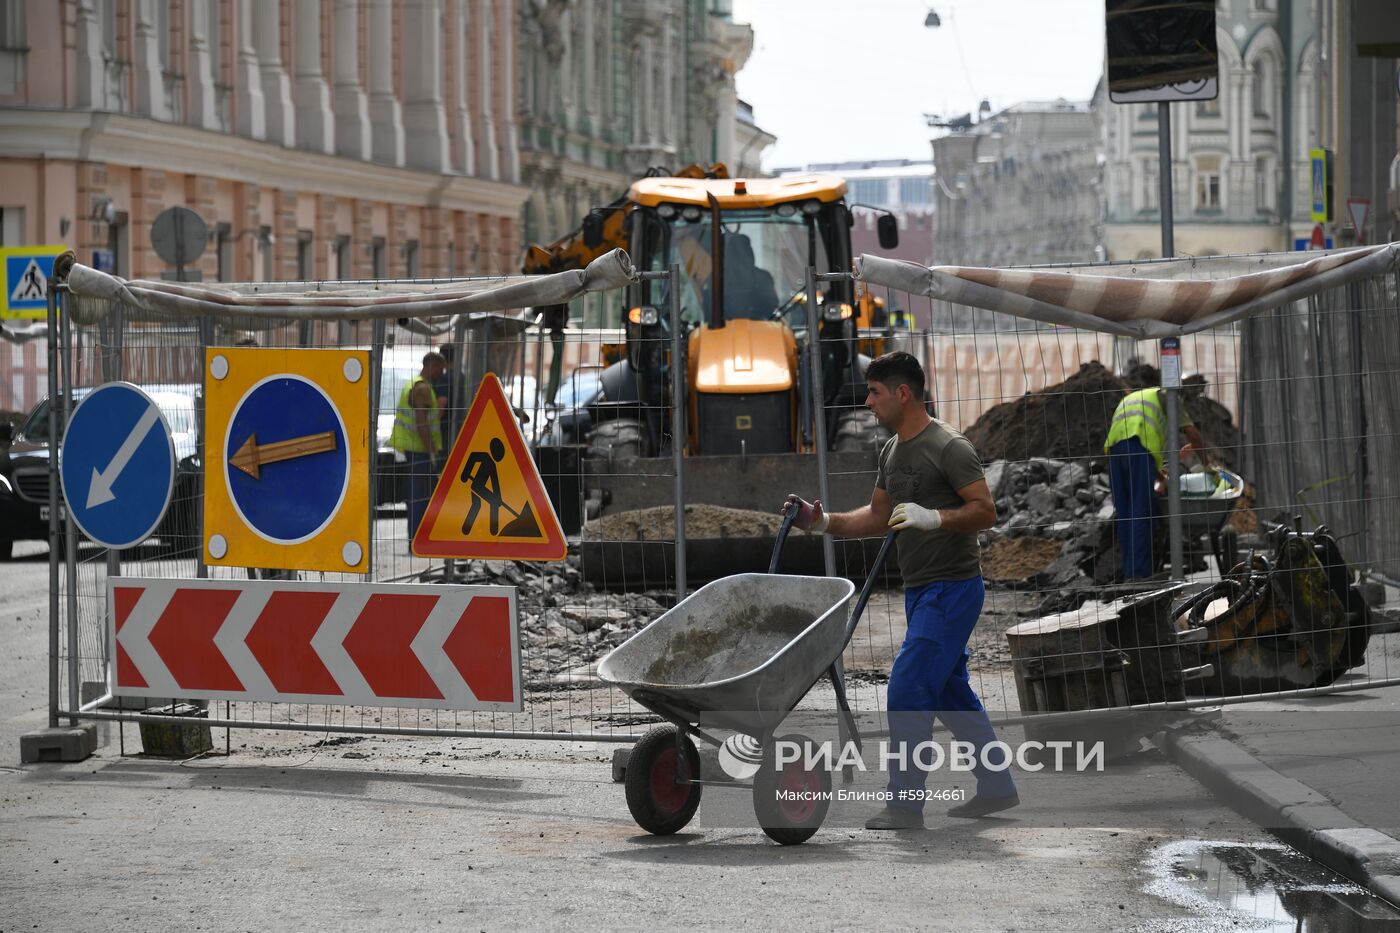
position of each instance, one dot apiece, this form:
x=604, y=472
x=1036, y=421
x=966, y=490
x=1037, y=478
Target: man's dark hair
x=447, y=351
x=896, y=369
x=432, y=356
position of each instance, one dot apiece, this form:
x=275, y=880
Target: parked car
x=566, y=420
x=24, y=471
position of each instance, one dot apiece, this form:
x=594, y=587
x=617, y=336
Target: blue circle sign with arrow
x=117, y=465
x=289, y=464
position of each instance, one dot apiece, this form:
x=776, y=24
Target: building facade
x=344, y=139
x=1019, y=186
x=1290, y=81
x=610, y=88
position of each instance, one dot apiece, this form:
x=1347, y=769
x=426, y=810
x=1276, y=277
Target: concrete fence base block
x=57, y=744
x=619, y=764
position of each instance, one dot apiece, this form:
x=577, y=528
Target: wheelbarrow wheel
x=790, y=802
x=659, y=803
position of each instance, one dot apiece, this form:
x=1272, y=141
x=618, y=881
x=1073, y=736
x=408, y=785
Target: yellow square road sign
x=24, y=280
x=286, y=467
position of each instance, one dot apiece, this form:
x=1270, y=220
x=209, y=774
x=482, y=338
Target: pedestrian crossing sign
x=489, y=502
x=27, y=270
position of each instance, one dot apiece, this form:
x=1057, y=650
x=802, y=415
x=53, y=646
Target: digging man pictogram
x=480, y=475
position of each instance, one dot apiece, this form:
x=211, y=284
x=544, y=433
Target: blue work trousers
x=1131, y=472
x=421, y=479
x=929, y=679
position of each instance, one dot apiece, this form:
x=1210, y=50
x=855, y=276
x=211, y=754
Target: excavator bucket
x=732, y=516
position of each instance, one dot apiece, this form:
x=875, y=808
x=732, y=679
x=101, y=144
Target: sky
x=844, y=80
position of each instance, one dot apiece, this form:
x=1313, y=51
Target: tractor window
x=765, y=263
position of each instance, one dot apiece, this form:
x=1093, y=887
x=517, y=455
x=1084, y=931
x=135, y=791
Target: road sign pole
x=678, y=427
x=1170, y=347
x=53, y=505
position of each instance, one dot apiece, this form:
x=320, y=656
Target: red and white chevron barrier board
x=364, y=644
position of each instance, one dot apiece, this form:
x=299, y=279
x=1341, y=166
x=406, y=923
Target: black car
x=24, y=471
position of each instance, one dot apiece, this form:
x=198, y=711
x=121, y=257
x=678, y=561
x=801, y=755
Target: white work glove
x=913, y=515
x=810, y=516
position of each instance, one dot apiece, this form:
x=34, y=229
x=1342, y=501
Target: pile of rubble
x=1054, y=524
x=565, y=625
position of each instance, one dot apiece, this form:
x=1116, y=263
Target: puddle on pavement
x=1265, y=887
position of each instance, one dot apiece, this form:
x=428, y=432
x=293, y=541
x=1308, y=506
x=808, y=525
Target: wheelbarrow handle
x=789, y=517
x=866, y=590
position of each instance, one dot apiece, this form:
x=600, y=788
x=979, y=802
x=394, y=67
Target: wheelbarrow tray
x=738, y=653
x=1204, y=515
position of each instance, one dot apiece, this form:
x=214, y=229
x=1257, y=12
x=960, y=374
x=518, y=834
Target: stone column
x=386, y=118
x=461, y=90
x=424, y=119
x=488, y=163
x=147, y=66
x=252, y=114
x=204, y=105
x=92, y=71
x=315, y=123
x=352, y=137
x=505, y=77
x=276, y=87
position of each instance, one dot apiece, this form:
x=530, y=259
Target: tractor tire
x=618, y=439
x=857, y=430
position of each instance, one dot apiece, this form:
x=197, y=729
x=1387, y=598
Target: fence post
x=52, y=341
x=678, y=413
x=70, y=531
x=376, y=377
x=818, y=395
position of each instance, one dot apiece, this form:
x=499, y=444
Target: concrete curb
x=1294, y=812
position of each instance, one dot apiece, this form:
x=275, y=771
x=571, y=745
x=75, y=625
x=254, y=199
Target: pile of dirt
x=701, y=521
x=1012, y=559
x=1071, y=420
x=1065, y=421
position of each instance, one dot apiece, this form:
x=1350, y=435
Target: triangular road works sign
x=489, y=502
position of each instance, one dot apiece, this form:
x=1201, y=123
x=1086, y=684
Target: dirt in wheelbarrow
x=712, y=652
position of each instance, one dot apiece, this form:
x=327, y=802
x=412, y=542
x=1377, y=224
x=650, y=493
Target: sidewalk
x=1319, y=772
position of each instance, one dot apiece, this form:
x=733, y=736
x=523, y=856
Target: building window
x=305, y=264
x=342, y=257
x=376, y=258
x=410, y=259
x=870, y=191
x=224, y=241
x=1208, y=108
x=1148, y=199
x=915, y=191
x=266, y=244
x=1263, y=184
x=1208, y=183
x=14, y=45
x=12, y=226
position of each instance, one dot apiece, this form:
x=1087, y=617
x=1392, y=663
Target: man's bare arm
x=868, y=521
x=421, y=398
x=977, y=513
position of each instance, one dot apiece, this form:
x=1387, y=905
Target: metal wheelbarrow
x=739, y=653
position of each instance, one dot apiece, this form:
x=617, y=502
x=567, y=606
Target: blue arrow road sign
x=117, y=465
x=291, y=497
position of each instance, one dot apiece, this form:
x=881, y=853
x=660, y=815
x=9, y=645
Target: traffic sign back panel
x=489, y=501
x=27, y=270
x=117, y=465
x=286, y=468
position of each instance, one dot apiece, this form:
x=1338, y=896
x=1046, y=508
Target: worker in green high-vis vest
x=1136, y=446
x=418, y=435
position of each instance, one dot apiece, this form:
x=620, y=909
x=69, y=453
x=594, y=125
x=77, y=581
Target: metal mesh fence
x=1299, y=403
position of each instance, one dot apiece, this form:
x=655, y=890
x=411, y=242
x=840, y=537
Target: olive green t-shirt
x=928, y=470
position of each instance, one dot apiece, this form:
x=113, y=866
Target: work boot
x=982, y=805
x=896, y=818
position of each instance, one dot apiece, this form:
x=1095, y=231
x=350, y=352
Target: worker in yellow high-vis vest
x=1136, y=447
x=418, y=435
